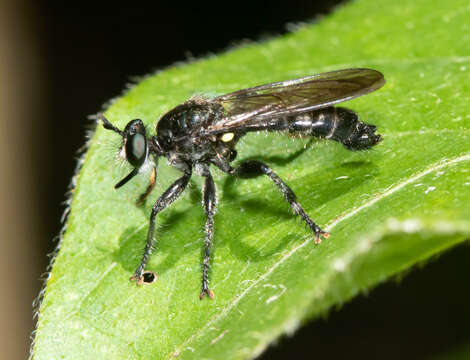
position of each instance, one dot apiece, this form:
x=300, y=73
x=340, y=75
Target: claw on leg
x=319, y=234
x=207, y=292
x=147, y=277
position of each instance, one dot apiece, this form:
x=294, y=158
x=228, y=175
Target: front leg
x=153, y=176
x=170, y=195
x=210, y=203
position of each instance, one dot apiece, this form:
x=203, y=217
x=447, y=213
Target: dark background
x=63, y=60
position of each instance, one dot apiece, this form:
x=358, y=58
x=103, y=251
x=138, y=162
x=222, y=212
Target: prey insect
x=203, y=132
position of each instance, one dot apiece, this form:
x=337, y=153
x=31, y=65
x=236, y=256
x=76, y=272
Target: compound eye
x=136, y=149
x=136, y=143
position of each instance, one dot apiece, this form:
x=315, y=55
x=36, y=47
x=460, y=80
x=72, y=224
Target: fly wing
x=250, y=106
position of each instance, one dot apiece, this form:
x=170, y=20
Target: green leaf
x=387, y=209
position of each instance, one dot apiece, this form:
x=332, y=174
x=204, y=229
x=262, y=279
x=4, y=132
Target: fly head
x=135, y=147
x=134, y=143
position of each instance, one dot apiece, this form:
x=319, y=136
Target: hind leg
x=254, y=168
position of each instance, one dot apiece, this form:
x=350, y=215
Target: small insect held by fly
x=203, y=132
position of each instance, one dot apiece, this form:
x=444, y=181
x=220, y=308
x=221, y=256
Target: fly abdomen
x=338, y=124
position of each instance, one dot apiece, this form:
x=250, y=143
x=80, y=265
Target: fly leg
x=255, y=168
x=140, y=201
x=210, y=203
x=170, y=195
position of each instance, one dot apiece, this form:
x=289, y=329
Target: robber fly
x=204, y=131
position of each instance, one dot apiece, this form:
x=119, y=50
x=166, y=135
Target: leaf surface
x=386, y=209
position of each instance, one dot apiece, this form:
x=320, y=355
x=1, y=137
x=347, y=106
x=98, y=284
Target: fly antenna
x=106, y=124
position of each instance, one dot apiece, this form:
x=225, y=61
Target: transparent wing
x=248, y=106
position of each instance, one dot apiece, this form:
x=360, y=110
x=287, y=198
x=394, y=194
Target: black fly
x=202, y=132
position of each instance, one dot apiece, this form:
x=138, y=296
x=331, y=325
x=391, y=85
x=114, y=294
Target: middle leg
x=210, y=203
